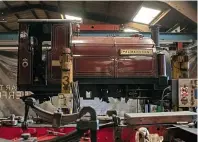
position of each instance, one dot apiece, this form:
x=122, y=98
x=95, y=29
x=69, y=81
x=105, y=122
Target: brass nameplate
x=135, y=51
x=56, y=63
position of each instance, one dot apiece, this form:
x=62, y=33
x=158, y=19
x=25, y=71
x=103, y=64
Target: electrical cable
x=162, y=97
x=169, y=87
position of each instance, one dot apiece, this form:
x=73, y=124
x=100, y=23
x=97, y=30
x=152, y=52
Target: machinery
x=134, y=127
x=184, y=63
x=128, y=67
x=184, y=77
x=52, y=60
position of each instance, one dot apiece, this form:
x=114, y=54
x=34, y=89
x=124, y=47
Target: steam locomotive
x=128, y=67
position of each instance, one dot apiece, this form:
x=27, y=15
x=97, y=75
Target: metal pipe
x=161, y=64
x=48, y=20
x=155, y=34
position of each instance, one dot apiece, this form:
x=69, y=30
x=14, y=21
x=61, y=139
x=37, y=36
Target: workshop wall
x=11, y=104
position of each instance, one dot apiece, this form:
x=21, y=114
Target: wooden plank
x=159, y=117
x=187, y=129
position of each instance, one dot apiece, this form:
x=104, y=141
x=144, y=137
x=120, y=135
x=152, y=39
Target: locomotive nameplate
x=135, y=52
x=55, y=63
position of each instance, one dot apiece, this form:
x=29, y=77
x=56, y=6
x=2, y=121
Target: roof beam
x=5, y=27
x=108, y=11
x=46, y=13
x=59, y=10
x=9, y=7
x=184, y=8
x=137, y=26
x=33, y=12
x=173, y=27
x=22, y=8
x=84, y=6
x=162, y=15
x=87, y=15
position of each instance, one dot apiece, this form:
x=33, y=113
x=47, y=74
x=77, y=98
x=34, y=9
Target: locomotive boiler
x=104, y=67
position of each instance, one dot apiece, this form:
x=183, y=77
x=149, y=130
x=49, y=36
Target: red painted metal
x=98, y=27
x=99, y=56
x=60, y=40
x=161, y=64
x=179, y=45
x=103, y=135
x=24, y=56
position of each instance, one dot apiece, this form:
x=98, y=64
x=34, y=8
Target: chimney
x=155, y=34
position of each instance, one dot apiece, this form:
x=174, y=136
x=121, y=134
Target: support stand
x=54, y=118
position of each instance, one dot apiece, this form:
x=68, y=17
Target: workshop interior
x=98, y=71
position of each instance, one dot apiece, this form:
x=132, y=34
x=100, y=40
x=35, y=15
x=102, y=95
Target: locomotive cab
x=104, y=67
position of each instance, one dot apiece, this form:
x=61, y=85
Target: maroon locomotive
x=103, y=66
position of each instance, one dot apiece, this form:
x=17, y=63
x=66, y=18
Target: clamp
x=92, y=124
x=56, y=119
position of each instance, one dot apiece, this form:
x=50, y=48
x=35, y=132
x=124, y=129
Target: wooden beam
x=10, y=7
x=33, y=12
x=137, y=26
x=59, y=9
x=5, y=27
x=184, y=8
x=162, y=15
x=175, y=26
x=88, y=15
x=159, y=118
x=46, y=13
x=17, y=15
x=84, y=6
x=108, y=11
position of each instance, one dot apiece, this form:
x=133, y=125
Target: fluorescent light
x=146, y=15
x=69, y=17
x=130, y=30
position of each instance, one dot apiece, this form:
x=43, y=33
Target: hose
x=162, y=97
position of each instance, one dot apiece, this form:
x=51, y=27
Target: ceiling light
x=130, y=30
x=146, y=15
x=73, y=18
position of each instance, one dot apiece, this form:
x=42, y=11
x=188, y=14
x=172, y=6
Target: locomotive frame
x=37, y=38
